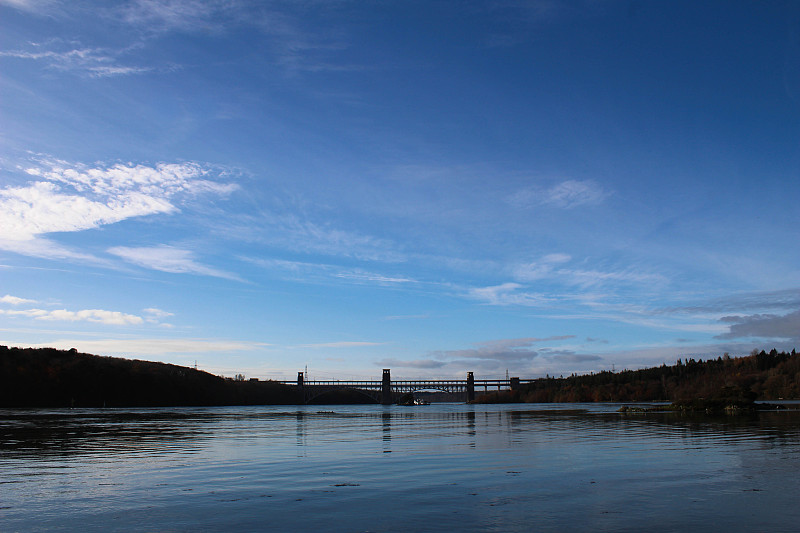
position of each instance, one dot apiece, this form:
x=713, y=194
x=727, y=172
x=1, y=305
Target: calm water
x=441, y=467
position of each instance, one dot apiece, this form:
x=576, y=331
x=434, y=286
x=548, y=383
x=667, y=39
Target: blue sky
x=433, y=187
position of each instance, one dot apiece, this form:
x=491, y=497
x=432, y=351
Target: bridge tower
x=300, y=389
x=470, y=386
x=386, y=387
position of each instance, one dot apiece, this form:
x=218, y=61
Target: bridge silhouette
x=388, y=392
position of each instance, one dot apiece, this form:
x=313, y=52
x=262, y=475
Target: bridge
x=387, y=391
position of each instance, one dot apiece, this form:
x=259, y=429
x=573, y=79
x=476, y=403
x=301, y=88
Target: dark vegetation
x=46, y=377
x=759, y=376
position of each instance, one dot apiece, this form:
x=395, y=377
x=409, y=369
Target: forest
x=46, y=377
x=761, y=375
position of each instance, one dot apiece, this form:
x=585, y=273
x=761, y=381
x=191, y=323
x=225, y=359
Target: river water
x=441, y=467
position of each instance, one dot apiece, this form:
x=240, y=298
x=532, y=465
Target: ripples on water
x=372, y=468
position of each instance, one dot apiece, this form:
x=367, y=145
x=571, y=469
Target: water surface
x=451, y=467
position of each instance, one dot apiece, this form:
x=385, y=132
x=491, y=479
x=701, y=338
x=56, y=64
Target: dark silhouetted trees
x=46, y=377
x=764, y=375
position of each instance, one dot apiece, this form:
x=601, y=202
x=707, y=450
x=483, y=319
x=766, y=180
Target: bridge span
x=387, y=391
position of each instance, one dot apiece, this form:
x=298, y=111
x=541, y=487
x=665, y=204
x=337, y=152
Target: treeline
x=762, y=375
x=46, y=377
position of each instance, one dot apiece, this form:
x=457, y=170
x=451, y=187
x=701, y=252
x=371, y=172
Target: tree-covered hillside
x=765, y=375
x=46, y=377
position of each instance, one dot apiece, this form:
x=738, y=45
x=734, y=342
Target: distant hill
x=762, y=375
x=46, y=377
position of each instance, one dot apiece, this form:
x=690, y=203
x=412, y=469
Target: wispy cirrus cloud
x=574, y=193
x=341, y=344
x=590, y=278
x=168, y=259
x=407, y=317
x=31, y=6
x=293, y=47
x=48, y=249
x=507, y=294
x=300, y=234
x=564, y=195
x=307, y=271
x=554, y=267
x=361, y=275
x=93, y=62
x=543, y=268
x=176, y=14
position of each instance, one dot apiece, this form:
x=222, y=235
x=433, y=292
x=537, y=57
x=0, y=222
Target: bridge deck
x=417, y=383
x=386, y=390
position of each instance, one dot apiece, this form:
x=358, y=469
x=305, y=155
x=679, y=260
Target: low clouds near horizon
x=768, y=326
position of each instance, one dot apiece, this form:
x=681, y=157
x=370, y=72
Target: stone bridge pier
x=386, y=387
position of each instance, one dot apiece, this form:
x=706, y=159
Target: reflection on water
x=374, y=468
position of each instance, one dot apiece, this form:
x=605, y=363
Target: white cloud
x=161, y=180
x=168, y=259
x=40, y=208
x=157, y=313
x=69, y=198
x=155, y=316
x=14, y=300
x=101, y=316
